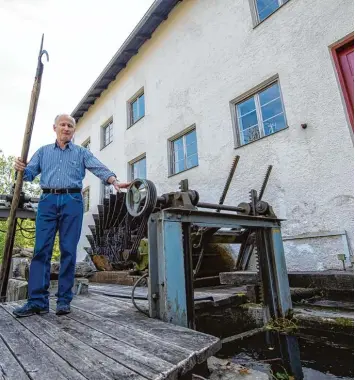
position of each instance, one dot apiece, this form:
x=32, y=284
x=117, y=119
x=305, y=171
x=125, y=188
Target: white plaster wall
x=206, y=54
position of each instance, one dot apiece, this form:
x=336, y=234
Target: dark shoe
x=29, y=309
x=62, y=309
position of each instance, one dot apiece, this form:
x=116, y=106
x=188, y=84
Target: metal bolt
x=155, y=296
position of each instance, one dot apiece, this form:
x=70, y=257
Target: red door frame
x=335, y=53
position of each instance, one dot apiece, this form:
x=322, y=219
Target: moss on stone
x=282, y=324
x=344, y=321
x=250, y=305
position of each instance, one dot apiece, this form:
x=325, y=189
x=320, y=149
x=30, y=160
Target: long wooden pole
x=11, y=228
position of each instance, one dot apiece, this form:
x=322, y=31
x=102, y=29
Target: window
x=138, y=168
x=265, y=8
x=183, y=152
x=86, y=199
x=260, y=115
x=87, y=144
x=106, y=191
x=136, y=109
x=107, y=133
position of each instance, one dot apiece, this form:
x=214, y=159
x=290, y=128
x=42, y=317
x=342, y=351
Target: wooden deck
x=103, y=338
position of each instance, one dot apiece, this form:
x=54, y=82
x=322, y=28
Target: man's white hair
x=66, y=115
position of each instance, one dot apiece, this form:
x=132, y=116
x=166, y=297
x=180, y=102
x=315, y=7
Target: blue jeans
x=63, y=213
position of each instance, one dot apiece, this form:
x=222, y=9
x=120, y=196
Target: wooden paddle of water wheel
x=118, y=242
x=114, y=243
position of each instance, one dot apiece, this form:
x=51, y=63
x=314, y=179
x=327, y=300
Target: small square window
x=106, y=190
x=87, y=145
x=265, y=8
x=136, y=109
x=260, y=115
x=86, y=199
x=138, y=169
x=183, y=152
x=107, y=134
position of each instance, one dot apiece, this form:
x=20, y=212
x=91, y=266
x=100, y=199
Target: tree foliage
x=25, y=230
x=7, y=178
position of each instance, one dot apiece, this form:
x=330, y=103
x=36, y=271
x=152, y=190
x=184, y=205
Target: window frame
x=86, y=143
x=134, y=161
x=171, y=151
x=103, y=187
x=335, y=49
x=107, y=124
x=247, y=95
x=255, y=13
x=134, y=98
x=86, y=205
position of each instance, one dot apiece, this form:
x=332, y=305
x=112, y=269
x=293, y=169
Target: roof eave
x=155, y=15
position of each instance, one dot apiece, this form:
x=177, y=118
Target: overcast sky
x=81, y=36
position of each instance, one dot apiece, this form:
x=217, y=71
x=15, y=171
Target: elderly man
x=62, y=167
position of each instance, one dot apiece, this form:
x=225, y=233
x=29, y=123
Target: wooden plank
x=119, y=289
x=116, y=287
x=39, y=361
x=143, y=362
x=92, y=242
x=100, y=209
x=119, y=211
x=97, y=226
x=219, y=294
x=184, y=358
x=126, y=292
x=10, y=369
x=122, y=211
x=111, y=206
x=143, y=291
x=116, y=208
x=120, y=312
x=106, y=202
x=86, y=360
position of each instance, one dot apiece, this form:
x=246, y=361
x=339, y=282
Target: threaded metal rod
x=219, y=207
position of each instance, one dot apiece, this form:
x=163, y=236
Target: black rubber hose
x=132, y=297
x=125, y=296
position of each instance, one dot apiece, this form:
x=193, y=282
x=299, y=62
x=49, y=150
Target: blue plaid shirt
x=61, y=169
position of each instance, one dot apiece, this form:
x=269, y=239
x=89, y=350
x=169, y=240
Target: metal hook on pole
x=42, y=52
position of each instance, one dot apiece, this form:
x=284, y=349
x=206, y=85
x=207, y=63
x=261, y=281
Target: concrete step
x=331, y=321
x=298, y=295
x=325, y=304
x=329, y=280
